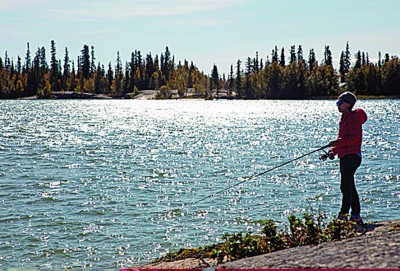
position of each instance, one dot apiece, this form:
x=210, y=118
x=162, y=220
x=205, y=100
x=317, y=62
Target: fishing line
x=248, y=178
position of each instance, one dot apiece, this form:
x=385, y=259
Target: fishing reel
x=325, y=156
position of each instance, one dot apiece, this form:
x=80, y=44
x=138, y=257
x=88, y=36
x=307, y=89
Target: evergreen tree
x=132, y=73
x=54, y=68
x=42, y=59
x=248, y=82
x=275, y=55
x=387, y=58
x=215, y=78
x=66, y=71
x=238, y=79
x=98, y=87
x=72, y=80
x=166, y=64
x=110, y=79
x=300, y=57
x=363, y=59
x=328, y=56
x=231, y=81
x=256, y=65
x=192, y=70
x=126, y=80
x=311, y=60
x=342, y=70
x=292, y=54
x=379, y=59
x=93, y=60
x=139, y=73
x=84, y=62
x=118, y=77
x=150, y=70
x=358, y=63
x=282, y=60
x=7, y=62
x=19, y=66
x=345, y=63
x=27, y=58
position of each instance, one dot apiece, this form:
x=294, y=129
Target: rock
x=379, y=247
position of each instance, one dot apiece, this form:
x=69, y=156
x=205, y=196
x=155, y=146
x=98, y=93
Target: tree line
x=278, y=76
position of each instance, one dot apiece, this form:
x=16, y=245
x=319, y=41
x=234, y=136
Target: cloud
x=196, y=22
x=120, y=9
x=7, y=5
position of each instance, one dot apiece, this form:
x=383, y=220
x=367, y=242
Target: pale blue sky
x=202, y=31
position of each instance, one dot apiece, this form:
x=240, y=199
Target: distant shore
x=150, y=94
x=378, y=248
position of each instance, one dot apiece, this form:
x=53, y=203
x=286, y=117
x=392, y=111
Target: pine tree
x=110, y=78
x=54, y=68
x=328, y=56
x=292, y=54
x=84, y=62
x=66, y=71
x=248, y=85
x=256, y=65
x=275, y=55
x=379, y=59
x=238, y=79
x=282, y=60
x=7, y=62
x=387, y=58
x=231, y=81
x=19, y=66
x=42, y=59
x=345, y=63
x=27, y=58
x=92, y=60
x=98, y=80
x=311, y=60
x=118, y=76
x=215, y=78
x=149, y=71
x=358, y=63
x=300, y=54
x=166, y=64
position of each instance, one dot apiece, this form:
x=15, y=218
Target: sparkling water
x=108, y=184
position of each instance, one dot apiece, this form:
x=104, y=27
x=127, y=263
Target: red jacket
x=350, y=133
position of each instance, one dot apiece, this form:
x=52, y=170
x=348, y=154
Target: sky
x=206, y=32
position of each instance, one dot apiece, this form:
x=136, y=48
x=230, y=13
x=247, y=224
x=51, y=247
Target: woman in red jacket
x=348, y=148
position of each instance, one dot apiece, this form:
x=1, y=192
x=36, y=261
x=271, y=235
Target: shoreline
x=150, y=94
x=375, y=248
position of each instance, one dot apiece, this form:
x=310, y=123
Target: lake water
x=112, y=184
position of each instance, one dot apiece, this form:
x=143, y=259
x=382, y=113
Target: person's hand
x=331, y=155
x=333, y=143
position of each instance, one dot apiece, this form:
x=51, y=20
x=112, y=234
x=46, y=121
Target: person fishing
x=348, y=148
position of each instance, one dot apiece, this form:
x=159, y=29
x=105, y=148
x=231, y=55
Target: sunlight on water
x=113, y=183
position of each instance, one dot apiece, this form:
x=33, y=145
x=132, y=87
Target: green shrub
x=309, y=230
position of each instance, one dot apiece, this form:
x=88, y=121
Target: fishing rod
x=259, y=174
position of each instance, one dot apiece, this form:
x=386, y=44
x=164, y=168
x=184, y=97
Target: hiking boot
x=342, y=217
x=356, y=219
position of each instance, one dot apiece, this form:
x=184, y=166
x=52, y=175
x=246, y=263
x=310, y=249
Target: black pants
x=348, y=167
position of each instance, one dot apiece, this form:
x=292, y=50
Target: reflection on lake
x=111, y=183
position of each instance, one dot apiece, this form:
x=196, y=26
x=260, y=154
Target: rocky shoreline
x=379, y=247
